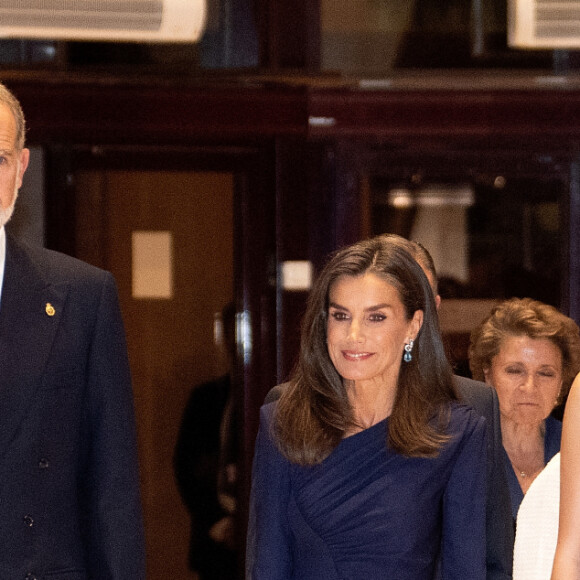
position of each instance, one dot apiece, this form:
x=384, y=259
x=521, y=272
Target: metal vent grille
x=557, y=19
x=544, y=24
x=135, y=15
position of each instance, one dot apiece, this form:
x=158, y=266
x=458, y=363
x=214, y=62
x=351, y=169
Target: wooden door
x=169, y=334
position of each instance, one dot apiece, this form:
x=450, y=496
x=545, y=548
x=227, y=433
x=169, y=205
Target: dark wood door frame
x=254, y=251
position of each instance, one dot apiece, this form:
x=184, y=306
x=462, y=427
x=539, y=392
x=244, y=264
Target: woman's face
x=527, y=375
x=368, y=329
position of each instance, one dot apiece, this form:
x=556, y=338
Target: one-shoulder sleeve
x=268, y=549
x=463, y=543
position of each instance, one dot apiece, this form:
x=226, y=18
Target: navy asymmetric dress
x=369, y=513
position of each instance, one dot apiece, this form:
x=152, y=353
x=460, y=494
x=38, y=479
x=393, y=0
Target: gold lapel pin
x=50, y=309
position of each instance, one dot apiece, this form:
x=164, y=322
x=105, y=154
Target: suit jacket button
x=28, y=521
x=30, y=576
x=43, y=463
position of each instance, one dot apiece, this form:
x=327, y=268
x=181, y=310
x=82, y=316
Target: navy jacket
x=69, y=485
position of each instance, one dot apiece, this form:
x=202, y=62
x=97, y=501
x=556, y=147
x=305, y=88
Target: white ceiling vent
x=105, y=20
x=544, y=24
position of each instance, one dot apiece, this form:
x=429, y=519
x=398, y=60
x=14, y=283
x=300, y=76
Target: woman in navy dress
x=368, y=467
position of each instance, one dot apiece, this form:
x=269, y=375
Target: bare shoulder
x=572, y=412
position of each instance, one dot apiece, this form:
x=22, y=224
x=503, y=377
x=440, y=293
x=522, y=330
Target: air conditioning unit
x=544, y=24
x=104, y=20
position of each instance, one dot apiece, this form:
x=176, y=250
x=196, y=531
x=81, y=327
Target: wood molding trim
x=100, y=110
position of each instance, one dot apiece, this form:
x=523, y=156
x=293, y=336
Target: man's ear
x=23, y=160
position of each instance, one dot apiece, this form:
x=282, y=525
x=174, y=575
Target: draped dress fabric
x=369, y=513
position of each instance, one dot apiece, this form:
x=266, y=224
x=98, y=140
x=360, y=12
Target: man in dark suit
x=483, y=399
x=69, y=484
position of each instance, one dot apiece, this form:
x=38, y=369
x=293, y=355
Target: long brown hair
x=314, y=412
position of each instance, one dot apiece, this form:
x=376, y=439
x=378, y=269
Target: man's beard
x=6, y=213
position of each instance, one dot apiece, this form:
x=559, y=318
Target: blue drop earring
x=408, y=348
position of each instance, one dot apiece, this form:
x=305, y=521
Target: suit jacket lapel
x=30, y=312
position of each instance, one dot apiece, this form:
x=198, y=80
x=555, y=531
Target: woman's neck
x=371, y=402
x=522, y=438
x=524, y=445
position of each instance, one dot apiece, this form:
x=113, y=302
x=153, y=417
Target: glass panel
x=491, y=236
x=378, y=37
x=488, y=240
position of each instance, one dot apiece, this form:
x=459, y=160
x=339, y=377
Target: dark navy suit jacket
x=499, y=523
x=69, y=486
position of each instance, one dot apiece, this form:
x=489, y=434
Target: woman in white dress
x=567, y=558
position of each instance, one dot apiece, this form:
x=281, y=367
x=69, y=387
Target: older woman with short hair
x=530, y=353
